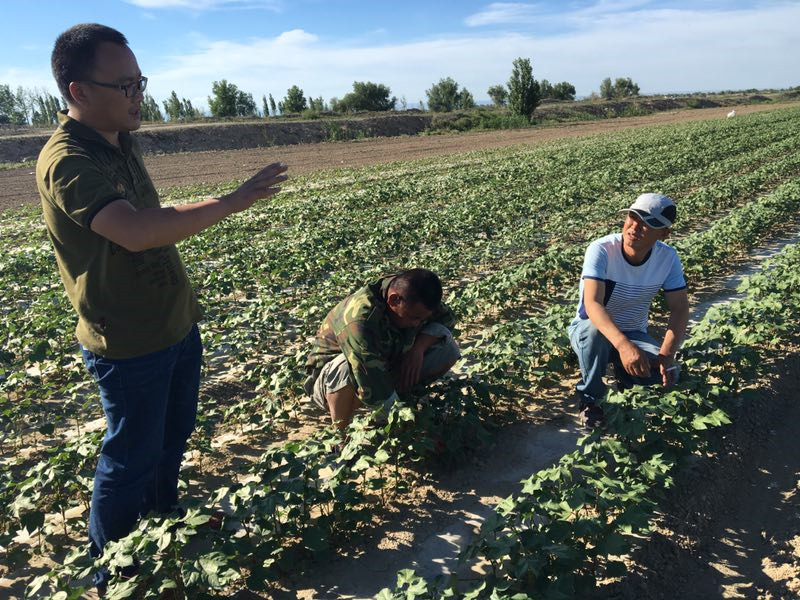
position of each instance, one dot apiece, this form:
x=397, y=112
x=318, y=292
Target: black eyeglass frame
x=129, y=89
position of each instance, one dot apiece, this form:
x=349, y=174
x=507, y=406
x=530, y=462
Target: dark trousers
x=150, y=404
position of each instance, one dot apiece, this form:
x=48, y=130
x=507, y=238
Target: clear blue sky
x=266, y=46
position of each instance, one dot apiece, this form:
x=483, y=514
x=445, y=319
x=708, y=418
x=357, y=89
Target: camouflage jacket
x=359, y=327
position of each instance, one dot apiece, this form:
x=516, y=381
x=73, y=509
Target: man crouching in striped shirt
x=622, y=272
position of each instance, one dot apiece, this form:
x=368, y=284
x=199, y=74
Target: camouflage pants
x=337, y=373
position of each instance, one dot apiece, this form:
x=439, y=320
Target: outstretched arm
x=138, y=230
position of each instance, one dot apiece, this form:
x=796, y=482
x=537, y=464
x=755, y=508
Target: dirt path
x=17, y=186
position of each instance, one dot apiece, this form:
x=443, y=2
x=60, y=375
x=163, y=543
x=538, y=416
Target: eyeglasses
x=129, y=89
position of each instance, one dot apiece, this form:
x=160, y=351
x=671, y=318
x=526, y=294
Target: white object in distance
x=732, y=114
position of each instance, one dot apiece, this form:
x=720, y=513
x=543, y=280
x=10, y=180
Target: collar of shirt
x=78, y=129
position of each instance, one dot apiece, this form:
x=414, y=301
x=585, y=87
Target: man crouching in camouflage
x=383, y=339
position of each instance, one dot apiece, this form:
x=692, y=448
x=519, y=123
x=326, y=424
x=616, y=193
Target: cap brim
x=649, y=220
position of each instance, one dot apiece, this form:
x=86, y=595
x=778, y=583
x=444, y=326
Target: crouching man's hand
x=669, y=369
x=634, y=359
x=409, y=369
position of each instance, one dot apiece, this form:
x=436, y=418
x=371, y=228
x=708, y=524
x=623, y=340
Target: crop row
x=570, y=525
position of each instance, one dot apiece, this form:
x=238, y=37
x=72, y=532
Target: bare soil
x=731, y=526
x=18, y=188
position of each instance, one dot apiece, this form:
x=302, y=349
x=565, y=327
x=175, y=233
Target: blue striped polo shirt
x=630, y=289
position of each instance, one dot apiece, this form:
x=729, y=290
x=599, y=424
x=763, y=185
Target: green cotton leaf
x=616, y=568
x=315, y=539
x=122, y=589
x=32, y=520
x=614, y=544
x=699, y=423
x=164, y=541
x=47, y=428
x=381, y=457
x=195, y=519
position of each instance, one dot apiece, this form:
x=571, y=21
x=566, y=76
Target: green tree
x=625, y=87
x=545, y=89
x=499, y=94
x=523, y=89
x=264, y=106
x=45, y=107
x=13, y=107
x=294, y=101
x=564, y=91
x=222, y=102
x=180, y=108
x=367, y=95
x=272, y=106
x=316, y=104
x=465, y=99
x=150, y=110
x=245, y=105
x=606, y=89
x=445, y=96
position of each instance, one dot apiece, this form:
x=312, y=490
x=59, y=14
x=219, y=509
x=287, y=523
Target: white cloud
x=204, y=5
x=501, y=13
x=662, y=50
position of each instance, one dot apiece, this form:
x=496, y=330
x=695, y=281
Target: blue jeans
x=150, y=404
x=595, y=352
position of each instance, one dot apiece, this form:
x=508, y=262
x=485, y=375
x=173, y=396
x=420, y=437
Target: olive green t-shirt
x=128, y=303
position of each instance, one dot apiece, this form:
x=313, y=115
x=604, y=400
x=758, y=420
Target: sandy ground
x=17, y=186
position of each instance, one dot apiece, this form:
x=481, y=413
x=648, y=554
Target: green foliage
x=478, y=119
x=465, y=100
x=180, y=109
x=272, y=106
x=366, y=96
x=499, y=95
x=29, y=106
x=523, y=89
x=560, y=91
x=150, y=111
x=227, y=100
x=446, y=97
x=507, y=229
x=293, y=102
x=12, y=106
x=623, y=87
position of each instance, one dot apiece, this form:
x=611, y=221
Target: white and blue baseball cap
x=656, y=210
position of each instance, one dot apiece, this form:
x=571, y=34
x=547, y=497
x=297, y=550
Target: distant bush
x=366, y=96
x=478, y=119
x=445, y=96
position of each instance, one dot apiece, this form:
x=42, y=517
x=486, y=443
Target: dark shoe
x=591, y=416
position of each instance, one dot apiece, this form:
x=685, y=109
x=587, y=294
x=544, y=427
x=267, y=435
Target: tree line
x=521, y=94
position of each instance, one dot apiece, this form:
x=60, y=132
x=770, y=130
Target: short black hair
x=419, y=285
x=73, y=57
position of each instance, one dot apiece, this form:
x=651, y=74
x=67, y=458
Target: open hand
x=261, y=185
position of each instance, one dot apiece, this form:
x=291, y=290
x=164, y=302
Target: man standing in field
x=383, y=339
x=115, y=248
x=621, y=275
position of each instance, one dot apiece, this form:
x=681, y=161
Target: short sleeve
x=78, y=187
x=595, y=262
x=675, y=279
x=372, y=375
